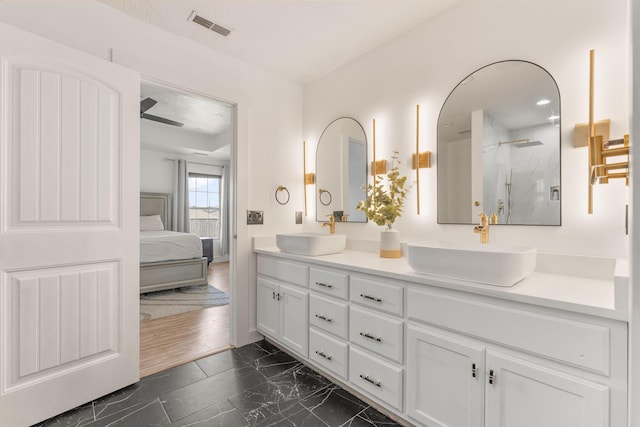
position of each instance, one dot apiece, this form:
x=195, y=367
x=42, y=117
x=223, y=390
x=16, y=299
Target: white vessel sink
x=498, y=265
x=311, y=244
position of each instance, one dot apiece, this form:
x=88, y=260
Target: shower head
x=520, y=143
x=528, y=144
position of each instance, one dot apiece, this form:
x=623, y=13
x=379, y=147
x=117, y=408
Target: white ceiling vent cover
x=208, y=24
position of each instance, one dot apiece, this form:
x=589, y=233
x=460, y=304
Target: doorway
x=198, y=131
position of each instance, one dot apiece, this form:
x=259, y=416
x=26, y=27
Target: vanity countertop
x=601, y=297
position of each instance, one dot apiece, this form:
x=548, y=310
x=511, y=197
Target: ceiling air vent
x=208, y=24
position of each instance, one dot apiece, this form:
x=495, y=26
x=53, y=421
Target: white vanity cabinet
x=329, y=320
x=450, y=379
x=472, y=363
x=436, y=356
x=283, y=303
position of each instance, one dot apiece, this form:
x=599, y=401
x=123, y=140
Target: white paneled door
x=69, y=182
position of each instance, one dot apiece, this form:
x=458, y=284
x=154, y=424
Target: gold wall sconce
x=581, y=132
x=378, y=167
x=309, y=178
x=419, y=160
x=601, y=148
x=425, y=160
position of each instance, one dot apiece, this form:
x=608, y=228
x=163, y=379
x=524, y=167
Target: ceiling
x=301, y=40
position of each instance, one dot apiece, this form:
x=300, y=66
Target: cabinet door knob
x=492, y=377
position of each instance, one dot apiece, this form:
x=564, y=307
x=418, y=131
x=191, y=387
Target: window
x=204, y=205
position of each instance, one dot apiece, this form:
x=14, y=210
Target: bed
x=167, y=259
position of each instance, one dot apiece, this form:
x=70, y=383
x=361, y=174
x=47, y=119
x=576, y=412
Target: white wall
x=269, y=110
x=424, y=65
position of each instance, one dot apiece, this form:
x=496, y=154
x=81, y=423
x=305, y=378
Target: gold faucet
x=331, y=224
x=483, y=228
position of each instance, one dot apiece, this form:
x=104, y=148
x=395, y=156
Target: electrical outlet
x=298, y=217
x=255, y=217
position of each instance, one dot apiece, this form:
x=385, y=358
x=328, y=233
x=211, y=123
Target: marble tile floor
x=254, y=385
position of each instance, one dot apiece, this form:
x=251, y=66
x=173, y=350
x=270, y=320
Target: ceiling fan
x=146, y=104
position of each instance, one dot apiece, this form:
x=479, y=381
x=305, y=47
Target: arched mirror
x=499, y=147
x=341, y=171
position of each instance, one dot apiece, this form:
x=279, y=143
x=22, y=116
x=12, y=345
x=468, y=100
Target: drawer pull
x=376, y=299
x=371, y=337
x=322, y=354
x=325, y=318
x=369, y=380
x=325, y=285
x=474, y=370
x=492, y=377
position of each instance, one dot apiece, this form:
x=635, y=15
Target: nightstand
x=207, y=248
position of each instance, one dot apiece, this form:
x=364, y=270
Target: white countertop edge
x=597, y=298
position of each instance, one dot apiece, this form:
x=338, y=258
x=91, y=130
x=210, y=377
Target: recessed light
x=543, y=102
x=554, y=117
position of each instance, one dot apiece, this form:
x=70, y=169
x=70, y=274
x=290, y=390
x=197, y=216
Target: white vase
x=390, y=244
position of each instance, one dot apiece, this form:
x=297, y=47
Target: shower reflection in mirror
x=499, y=147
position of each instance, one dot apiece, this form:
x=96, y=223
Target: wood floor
x=175, y=340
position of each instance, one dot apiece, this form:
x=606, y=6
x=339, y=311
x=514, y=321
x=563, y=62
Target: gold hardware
x=345, y=217
x=331, y=224
x=483, y=228
x=601, y=148
x=494, y=218
x=379, y=167
x=581, y=132
x=425, y=160
x=476, y=203
x=309, y=178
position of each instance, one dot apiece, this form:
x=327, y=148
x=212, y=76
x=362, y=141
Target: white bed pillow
x=151, y=223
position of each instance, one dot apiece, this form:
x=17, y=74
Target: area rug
x=154, y=305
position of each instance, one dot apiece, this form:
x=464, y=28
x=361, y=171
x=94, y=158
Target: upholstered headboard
x=157, y=204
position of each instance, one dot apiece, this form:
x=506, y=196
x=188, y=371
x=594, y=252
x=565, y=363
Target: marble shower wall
x=532, y=171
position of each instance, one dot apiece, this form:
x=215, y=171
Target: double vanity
x=436, y=350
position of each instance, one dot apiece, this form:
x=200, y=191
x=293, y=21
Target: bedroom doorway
x=186, y=150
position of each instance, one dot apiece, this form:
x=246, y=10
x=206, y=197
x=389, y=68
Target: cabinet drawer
x=330, y=316
x=377, y=333
x=378, y=295
x=329, y=282
x=283, y=270
x=376, y=377
x=578, y=343
x=329, y=353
